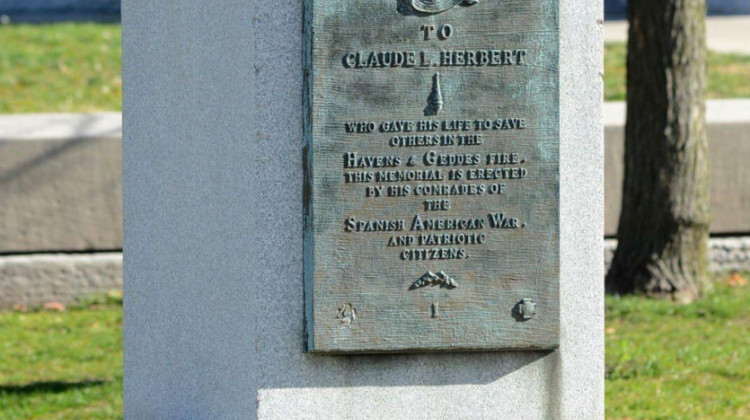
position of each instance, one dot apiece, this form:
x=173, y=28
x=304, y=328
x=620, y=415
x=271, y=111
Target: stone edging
x=725, y=254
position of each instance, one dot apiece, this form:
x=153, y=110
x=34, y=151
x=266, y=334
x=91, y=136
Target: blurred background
x=61, y=234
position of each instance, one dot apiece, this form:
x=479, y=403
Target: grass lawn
x=728, y=74
x=67, y=364
x=75, y=67
x=664, y=361
x=67, y=67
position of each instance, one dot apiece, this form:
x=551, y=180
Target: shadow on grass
x=49, y=387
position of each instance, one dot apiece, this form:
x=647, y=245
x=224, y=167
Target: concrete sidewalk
x=729, y=34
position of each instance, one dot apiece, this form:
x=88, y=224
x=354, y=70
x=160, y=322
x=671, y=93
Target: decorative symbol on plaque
x=438, y=6
x=431, y=279
x=435, y=100
x=526, y=309
x=346, y=314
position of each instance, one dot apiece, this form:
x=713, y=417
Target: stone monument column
x=220, y=116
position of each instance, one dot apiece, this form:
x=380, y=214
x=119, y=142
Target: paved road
x=725, y=33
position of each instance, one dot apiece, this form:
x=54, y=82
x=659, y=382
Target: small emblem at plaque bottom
x=526, y=309
x=431, y=279
x=346, y=314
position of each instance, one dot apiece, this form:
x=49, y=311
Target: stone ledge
x=718, y=111
x=60, y=182
x=32, y=280
x=729, y=150
x=62, y=126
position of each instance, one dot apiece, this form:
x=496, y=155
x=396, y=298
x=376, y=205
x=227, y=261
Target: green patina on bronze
x=432, y=175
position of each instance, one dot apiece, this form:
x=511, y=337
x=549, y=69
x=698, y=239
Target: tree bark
x=663, y=230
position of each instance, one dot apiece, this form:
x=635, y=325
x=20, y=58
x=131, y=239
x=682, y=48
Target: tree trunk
x=663, y=230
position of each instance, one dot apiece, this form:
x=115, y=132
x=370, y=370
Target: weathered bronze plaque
x=432, y=205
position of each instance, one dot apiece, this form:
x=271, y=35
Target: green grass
x=75, y=67
x=614, y=72
x=728, y=74
x=68, y=67
x=62, y=364
x=666, y=361
x=663, y=360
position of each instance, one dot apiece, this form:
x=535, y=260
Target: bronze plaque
x=432, y=175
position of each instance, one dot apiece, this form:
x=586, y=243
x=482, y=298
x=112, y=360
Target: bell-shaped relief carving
x=435, y=100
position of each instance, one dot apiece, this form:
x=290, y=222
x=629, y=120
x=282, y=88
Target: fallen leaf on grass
x=53, y=306
x=735, y=280
x=609, y=330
